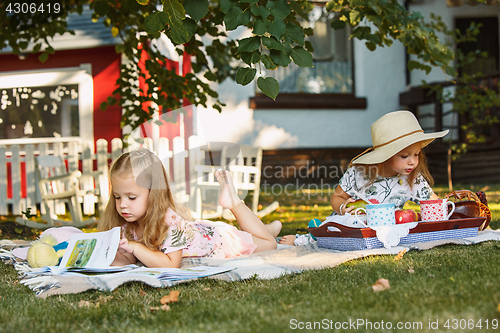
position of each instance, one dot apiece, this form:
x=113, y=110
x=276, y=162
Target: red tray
x=349, y=232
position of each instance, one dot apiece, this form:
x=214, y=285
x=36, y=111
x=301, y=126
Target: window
x=329, y=84
x=42, y=104
x=39, y=112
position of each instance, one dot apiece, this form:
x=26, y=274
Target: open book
x=93, y=253
x=89, y=252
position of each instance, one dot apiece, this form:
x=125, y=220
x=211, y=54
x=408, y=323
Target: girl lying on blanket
x=157, y=230
x=393, y=170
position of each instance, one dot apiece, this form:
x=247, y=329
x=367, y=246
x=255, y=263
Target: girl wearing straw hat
x=393, y=170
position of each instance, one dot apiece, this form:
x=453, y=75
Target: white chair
x=59, y=188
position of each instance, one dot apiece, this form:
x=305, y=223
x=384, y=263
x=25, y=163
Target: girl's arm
x=123, y=259
x=152, y=258
x=433, y=196
x=339, y=198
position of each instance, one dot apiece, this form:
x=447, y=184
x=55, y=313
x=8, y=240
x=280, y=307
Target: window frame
x=82, y=76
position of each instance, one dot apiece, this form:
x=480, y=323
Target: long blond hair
x=148, y=172
x=372, y=171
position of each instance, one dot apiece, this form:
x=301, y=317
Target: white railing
x=18, y=183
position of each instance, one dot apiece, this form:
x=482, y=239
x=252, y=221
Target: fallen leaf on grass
x=381, y=285
x=142, y=292
x=87, y=304
x=172, y=297
x=164, y=307
x=498, y=307
x=411, y=270
x=400, y=254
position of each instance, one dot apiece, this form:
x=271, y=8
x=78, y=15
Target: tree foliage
x=200, y=28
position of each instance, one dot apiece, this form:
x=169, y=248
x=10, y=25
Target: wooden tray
x=349, y=232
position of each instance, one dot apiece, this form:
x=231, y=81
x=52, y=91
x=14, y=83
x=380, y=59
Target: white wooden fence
x=17, y=166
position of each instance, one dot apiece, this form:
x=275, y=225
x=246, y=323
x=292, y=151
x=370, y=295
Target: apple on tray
x=406, y=216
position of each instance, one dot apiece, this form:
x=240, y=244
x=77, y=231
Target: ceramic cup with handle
x=436, y=210
x=378, y=214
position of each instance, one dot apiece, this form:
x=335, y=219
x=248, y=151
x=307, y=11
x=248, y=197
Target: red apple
x=406, y=216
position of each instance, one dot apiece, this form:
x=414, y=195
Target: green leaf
x=295, y=33
x=412, y=64
x=190, y=26
x=260, y=11
x=269, y=86
x=337, y=24
x=249, y=44
x=180, y=33
x=268, y=62
x=103, y=106
x=280, y=58
x=276, y=27
x=279, y=8
x=111, y=100
x=211, y=76
x=134, y=5
x=272, y=43
x=247, y=57
x=298, y=9
x=250, y=1
x=197, y=9
x=301, y=57
x=260, y=27
x=245, y=75
x=174, y=9
x=333, y=6
x=156, y=22
x=371, y=46
x=143, y=2
x=451, y=71
x=101, y=8
x=232, y=18
x=255, y=57
x=354, y=17
x=37, y=48
x=43, y=57
x=226, y=5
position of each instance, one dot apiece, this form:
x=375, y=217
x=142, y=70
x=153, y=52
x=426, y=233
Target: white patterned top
x=385, y=189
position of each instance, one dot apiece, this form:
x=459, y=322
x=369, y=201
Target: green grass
x=441, y=284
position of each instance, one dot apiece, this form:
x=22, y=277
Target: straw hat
x=393, y=132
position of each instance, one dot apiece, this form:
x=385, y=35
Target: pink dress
x=203, y=238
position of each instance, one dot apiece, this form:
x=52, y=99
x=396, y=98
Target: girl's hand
x=126, y=246
x=344, y=209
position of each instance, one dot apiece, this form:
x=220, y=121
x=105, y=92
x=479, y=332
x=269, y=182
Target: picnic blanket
x=264, y=265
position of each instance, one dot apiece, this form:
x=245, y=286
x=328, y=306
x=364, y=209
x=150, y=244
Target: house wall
x=379, y=77
x=105, y=66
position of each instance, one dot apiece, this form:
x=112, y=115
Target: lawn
x=450, y=288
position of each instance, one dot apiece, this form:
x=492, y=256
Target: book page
x=91, y=250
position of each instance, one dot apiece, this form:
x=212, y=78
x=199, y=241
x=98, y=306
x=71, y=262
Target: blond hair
x=148, y=172
x=372, y=171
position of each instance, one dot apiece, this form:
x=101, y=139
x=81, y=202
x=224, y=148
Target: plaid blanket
x=264, y=265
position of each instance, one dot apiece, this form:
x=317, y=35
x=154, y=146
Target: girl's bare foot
x=274, y=228
x=287, y=240
x=228, y=197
